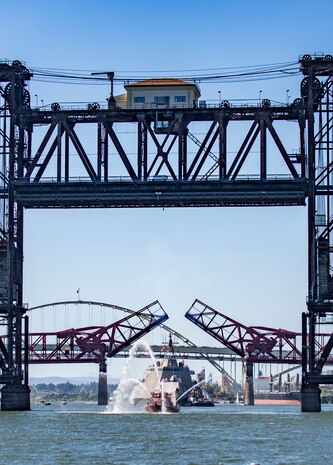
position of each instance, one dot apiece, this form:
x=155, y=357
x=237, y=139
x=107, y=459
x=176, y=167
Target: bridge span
x=64, y=345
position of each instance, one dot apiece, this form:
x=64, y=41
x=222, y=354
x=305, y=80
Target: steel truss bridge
x=114, y=340
x=254, y=344
x=97, y=342
x=48, y=161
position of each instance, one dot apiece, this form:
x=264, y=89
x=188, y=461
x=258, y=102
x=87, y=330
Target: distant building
x=159, y=93
x=261, y=384
x=201, y=376
x=225, y=384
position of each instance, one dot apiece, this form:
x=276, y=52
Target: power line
x=278, y=65
x=231, y=74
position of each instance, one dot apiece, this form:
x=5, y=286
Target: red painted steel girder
x=256, y=343
x=94, y=343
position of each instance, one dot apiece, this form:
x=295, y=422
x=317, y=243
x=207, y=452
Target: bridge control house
x=159, y=93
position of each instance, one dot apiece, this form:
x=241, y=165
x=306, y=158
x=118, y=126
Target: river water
x=86, y=434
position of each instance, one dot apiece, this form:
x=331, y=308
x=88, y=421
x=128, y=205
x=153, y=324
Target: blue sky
x=248, y=263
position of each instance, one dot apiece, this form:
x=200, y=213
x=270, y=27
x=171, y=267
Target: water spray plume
x=128, y=384
x=191, y=389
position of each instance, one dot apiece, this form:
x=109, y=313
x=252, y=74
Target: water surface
x=86, y=434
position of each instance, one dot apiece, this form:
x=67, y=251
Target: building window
x=162, y=124
x=163, y=100
x=139, y=99
x=180, y=98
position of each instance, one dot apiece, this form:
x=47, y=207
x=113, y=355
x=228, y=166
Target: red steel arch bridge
x=53, y=339
x=37, y=171
x=51, y=346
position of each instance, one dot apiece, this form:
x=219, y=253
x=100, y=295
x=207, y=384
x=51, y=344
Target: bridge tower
x=317, y=94
x=15, y=141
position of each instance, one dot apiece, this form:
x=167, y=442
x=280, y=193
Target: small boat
x=64, y=402
x=199, y=398
x=159, y=403
x=201, y=403
x=43, y=402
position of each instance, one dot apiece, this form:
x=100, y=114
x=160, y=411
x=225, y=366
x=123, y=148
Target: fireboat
x=161, y=402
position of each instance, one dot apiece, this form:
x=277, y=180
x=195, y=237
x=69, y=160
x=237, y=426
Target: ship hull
x=286, y=398
x=204, y=403
x=158, y=409
x=276, y=402
x=153, y=408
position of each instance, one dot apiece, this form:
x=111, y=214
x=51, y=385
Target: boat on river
x=199, y=398
x=176, y=378
x=43, y=402
x=175, y=375
x=161, y=402
x=200, y=403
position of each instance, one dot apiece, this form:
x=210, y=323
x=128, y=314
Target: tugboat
x=161, y=403
x=199, y=398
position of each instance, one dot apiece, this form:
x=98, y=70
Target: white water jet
x=191, y=389
x=143, y=346
x=122, y=396
x=163, y=408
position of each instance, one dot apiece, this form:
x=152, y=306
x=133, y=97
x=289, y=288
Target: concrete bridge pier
x=248, y=384
x=310, y=398
x=15, y=396
x=102, y=384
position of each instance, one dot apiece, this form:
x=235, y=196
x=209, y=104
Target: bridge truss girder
x=63, y=125
x=163, y=172
x=94, y=343
x=255, y=344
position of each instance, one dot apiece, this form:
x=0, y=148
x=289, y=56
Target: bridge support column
x=15, y=397
x=102, y=385
x=310, y=398
x=248, y=384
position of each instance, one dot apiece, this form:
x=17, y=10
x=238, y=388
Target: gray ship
x=170, y=375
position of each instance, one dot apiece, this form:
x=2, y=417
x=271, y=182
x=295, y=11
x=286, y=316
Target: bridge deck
x=168, y=193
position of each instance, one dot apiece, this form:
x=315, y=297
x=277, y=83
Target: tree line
x=69, y=391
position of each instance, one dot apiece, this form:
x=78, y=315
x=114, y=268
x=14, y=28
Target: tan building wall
x=162, y=93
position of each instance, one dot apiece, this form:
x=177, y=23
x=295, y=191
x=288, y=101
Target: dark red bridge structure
x=184, y=348
x=94, y=343
x=91, y=344
x=255, y=344
x=40, y=149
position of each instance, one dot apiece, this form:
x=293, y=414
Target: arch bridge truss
x=49, y=347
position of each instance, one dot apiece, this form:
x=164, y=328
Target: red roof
x=161, y=82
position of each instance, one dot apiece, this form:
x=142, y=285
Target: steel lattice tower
x=14, y=140
x=316, y=91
